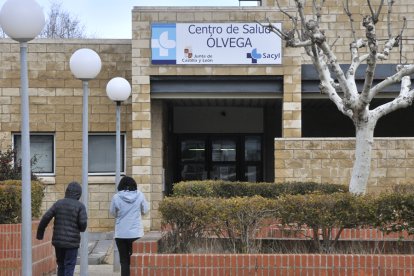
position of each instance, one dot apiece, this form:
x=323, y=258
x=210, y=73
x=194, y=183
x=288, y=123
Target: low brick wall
x=43, y=254
x=270, y=264
x=146, y=261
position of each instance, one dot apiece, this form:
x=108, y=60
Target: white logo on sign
x=163, y=44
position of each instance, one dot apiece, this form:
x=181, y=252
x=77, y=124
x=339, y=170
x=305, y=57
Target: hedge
x=226, y=189
x=237, y=220
x=10, y=200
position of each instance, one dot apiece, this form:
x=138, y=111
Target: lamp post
x=118, y=90
x=85, y=65
x=23, y=20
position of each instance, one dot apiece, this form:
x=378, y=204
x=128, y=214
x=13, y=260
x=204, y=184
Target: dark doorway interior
x=321, y=118
x=229, y=139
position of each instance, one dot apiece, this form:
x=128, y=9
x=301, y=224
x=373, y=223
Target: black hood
x=74, y=190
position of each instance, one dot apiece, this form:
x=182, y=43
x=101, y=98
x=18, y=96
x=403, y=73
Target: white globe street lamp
x=85, y=65
x=23, y=20
x=118, y=90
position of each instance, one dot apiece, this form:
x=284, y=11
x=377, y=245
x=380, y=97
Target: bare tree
x=59, y=24
x=340, y=85
x=62, y=24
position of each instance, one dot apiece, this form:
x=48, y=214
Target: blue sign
x=215, y=43
x=163, y=44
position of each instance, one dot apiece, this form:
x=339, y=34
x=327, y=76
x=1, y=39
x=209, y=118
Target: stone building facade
x=300, y=135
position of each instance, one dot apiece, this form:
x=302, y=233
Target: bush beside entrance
x=237, y=222
x=11, y=203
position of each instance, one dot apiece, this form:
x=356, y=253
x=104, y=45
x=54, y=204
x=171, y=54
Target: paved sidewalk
x=99, y=270
x=101, y=256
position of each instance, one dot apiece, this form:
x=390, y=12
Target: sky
x=112, y=18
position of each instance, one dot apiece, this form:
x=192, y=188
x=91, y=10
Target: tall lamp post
x=85, y=65
x=118, y=90
x=23, y=20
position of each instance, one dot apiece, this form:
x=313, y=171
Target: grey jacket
x=127, y=208
x=70, y=219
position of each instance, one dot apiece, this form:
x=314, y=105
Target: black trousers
x=66, y=260
x=125, y=252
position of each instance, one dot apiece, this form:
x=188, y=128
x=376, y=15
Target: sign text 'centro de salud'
x=215, y=43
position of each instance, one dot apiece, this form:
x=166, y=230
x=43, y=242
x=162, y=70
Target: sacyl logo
x=163, y=44
x=254, y=55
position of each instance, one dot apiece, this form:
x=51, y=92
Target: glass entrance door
x=193, y=157
x=223, y=159
x=230, y=158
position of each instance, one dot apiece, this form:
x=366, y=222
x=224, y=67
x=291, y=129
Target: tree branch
x=404, y=99
x=403, y=71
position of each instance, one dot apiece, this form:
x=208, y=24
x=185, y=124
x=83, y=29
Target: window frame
x=123, y=160
x=40, y=174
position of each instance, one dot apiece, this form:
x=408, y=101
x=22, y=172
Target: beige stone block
x=291, y=133
x=92, y=205
x=105, y=204
x=72, y=118
x=292, y=106
x=220, y=16
x=346, y=163
x=45, y=127
x=99, y=197
x=396, y=153
x=347, y=144
x=98, y=214
x=312, y=145
x=108, y=188
x=99, y=127
x=341, y=154
x=280, y=164
x=293, y=144
x=294, y=164
x=284, y=173
x=302, y=154
x=141, y=134
x=300, y=173
x=157, y=188
x=5, y=100
x=404, y=144
x=396, y=172
x=92, y=222
x=107, y=224
x=295, y=124
x=10, y=92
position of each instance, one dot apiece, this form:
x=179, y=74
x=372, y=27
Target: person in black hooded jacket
x=70, y=219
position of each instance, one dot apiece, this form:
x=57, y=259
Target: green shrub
x=239, y=220
x=403, y=189
x=235, y=220
x=226, y=189
x=195, y=188
x=187, y=219
x=10, y=200
x=395, y=212
x=10, y=168
x=323, y=213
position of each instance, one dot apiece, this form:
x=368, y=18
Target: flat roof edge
x=73, y=41
x=200, y=8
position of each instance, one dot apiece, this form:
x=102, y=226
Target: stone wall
x=56, y=101
x=56, y=107
x=146, y=159
x=330, y=160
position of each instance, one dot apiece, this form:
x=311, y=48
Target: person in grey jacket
x=127, y=206
x=70, y=219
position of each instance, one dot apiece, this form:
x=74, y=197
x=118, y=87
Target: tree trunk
x=362, y=164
